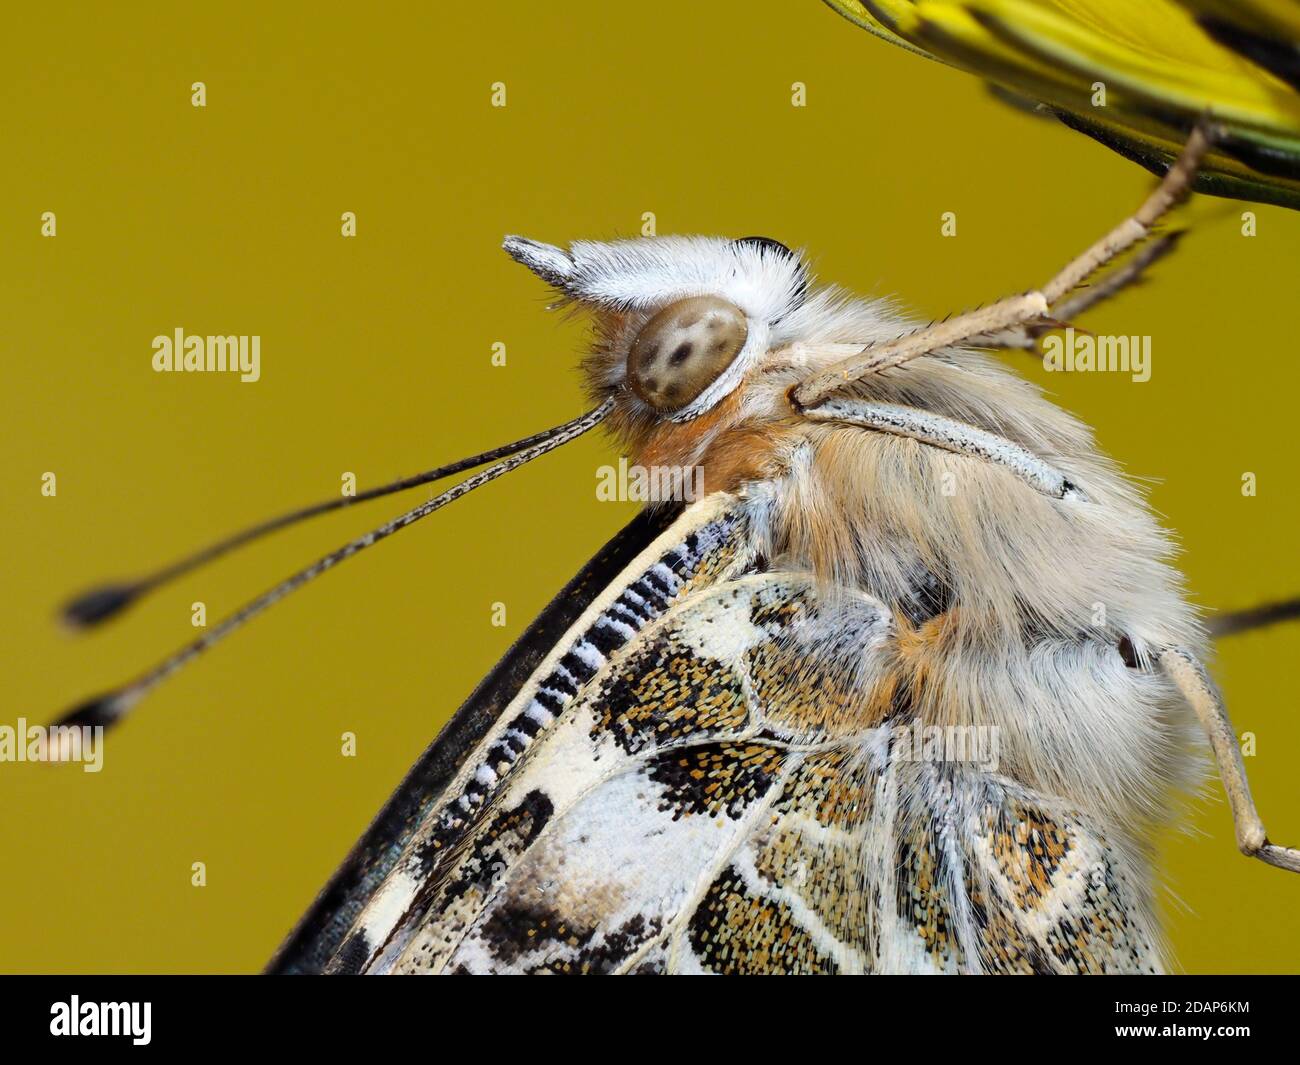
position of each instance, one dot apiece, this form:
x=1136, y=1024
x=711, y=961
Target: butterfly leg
x=1194, y=683
x=1172, y=188
x=1137, y=227
x=1025, y=336
x=1015, y=312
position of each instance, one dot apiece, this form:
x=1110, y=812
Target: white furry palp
x=634, y=278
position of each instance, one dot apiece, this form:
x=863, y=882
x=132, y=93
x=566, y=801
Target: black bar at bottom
x=373, y=1017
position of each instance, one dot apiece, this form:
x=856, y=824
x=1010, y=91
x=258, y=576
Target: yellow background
x=376, y=359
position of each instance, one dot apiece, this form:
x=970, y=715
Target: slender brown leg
x=1190, y=678
x=1068, y=310
x=1172, y=188
x=1004, y=314
x=1019, y=310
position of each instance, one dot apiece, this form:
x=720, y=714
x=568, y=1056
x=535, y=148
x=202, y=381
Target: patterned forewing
x=712, y=774
x=468, y=823
x=677, y=770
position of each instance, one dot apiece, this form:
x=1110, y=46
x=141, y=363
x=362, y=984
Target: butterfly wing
x=606, y=834
x=732, y=793
x=710, y=772
x=995, y=878
x=318, y=934
x=699, y=547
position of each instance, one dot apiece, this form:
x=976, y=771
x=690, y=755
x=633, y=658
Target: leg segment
x=1016, y=311
x=1190, y=678
x=1025, y=336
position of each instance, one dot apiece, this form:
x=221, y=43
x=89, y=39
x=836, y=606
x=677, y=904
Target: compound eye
x=767, y=244
x=683, y=349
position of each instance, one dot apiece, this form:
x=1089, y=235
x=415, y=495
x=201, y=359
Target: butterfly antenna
x=109, y=708
x=108, y=600
x=1256, y=617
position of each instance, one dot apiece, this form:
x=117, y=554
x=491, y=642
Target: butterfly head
x=682, y=320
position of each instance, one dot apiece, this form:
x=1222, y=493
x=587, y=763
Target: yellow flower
x=1134, y=74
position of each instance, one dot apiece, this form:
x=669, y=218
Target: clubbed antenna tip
x=103, y=710
x=99, y=604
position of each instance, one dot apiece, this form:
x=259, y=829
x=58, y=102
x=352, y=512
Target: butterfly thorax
x=1013, y=608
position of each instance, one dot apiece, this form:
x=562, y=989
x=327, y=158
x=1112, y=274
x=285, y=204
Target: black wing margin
x=322, y=928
